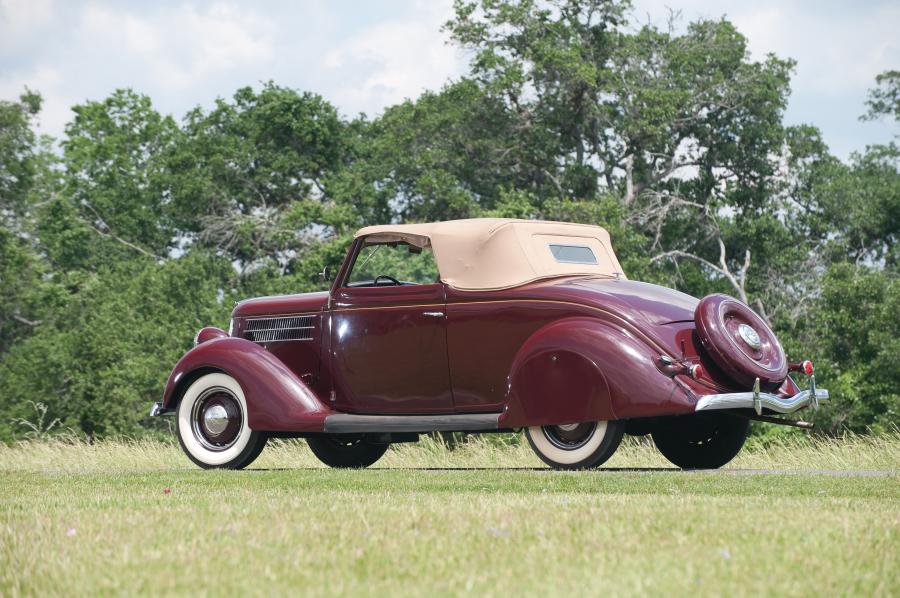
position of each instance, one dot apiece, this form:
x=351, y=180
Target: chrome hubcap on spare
x=569, y=437
x=749, y=336
x=216, y=419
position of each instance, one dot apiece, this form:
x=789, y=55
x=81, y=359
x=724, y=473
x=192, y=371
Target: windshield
x=393, y=263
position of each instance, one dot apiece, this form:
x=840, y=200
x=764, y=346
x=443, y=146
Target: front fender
x=277, y=400
x=582, y=369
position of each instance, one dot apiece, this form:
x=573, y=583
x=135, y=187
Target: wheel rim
x=570, y=437
x=346, y=441
x=702, y=431
x=216, y=419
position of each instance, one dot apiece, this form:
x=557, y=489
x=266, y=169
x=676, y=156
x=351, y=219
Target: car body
x=482, y=325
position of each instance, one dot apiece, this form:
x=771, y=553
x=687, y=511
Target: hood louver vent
x=289, y=328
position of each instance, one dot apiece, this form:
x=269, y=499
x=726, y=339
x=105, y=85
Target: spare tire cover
x=740, y=342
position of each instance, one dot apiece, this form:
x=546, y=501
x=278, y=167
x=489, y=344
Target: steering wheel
x=391, y=278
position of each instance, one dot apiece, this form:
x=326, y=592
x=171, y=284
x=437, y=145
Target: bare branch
x=109, y=233
x=25, y=321
x=738, y=283
x=629, y=179
x=555, y=182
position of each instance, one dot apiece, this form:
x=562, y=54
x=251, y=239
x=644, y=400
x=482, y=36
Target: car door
x=388, y=340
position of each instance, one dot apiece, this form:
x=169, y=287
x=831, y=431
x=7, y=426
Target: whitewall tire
x=577, y=445
x=212, y=425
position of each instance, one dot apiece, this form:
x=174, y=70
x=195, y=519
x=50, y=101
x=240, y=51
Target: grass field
x=136, y=517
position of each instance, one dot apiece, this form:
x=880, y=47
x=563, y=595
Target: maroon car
x=485, y=325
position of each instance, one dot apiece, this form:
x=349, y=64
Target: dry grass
x=852, y=452
x=134, y=517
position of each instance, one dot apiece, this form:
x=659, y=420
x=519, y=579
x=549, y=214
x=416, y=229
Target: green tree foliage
x=18, y=146
x=27, y=291
x=141, y=229
x=852, y=333
x=249, y=181
x=115, y=173
x=884, y=99
x=108, y=351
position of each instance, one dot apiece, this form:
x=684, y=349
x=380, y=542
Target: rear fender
x=582, y=369
x=277, y=400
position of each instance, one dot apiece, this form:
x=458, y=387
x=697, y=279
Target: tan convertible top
x=498, y=253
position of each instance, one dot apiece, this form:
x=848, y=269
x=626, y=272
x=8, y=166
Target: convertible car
x=483, y=325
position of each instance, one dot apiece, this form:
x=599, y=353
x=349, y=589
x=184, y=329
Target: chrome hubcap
x=749, y=336
x=217, y=419
x=570, y=436
x=567, y=427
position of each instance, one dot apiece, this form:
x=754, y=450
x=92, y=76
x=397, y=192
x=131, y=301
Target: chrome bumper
x=157, y=409
x=758, y=401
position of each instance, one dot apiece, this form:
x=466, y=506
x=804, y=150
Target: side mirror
x=325, y=274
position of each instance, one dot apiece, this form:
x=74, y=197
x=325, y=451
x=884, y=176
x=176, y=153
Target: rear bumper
x=759, y=401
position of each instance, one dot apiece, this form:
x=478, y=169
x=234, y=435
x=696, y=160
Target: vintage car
x=483, y=325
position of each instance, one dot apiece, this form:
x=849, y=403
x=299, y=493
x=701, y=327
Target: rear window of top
x=573, y=254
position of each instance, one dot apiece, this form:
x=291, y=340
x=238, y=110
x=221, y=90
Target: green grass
x=78, y=519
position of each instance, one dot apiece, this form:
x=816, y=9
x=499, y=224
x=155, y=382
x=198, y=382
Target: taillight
x=808, y=368
x=696, y=371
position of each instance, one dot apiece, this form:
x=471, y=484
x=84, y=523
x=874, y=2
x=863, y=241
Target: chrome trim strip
x=745, y=400
x=346, y=423
x=279, y=329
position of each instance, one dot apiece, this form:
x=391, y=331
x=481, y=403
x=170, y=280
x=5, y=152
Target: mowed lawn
x=137, y=518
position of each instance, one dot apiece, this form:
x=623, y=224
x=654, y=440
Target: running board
x=345, y=423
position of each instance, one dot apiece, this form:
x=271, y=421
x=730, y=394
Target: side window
x=405, y=263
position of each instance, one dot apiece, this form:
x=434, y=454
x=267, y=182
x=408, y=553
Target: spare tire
x=740, y=342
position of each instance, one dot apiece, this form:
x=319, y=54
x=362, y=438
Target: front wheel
x=701, y=440
x=345, y=451
x=576, y=446
x=212, y=424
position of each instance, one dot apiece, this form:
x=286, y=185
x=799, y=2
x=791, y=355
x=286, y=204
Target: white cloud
x=839, y=47
x=226, y=38
x=395, y=60
x=56, y=109
x=835, y=53
x=365, y=56
x=179, y=54
x=182, y=46
x=20, y=14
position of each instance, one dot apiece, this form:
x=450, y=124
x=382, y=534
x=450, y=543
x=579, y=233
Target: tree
x=104, y=358
x=884, y=100
x=18, y=149
x=114, y=174
x=684, y=128
x=671, y=137
x=853, y=336
x=28, y=293
x=250, y=179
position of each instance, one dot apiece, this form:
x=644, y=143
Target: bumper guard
x=758, y=401
x=157, y=409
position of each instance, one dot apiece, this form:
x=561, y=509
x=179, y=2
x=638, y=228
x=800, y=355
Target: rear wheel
x=212, y=424
x=345, y=451
x=701, y=440
x=576, y=446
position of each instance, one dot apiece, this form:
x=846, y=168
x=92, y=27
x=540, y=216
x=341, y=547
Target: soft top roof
x=498, y=253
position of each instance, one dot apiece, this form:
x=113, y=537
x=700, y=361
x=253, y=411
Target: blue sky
x=363, y=56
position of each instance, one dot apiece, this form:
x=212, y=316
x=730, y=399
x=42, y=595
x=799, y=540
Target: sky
x=365, y=55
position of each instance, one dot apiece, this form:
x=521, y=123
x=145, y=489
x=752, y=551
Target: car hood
x=280, y=304
x=638, y=302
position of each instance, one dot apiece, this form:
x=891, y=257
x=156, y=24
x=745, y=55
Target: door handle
x=433, y=314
